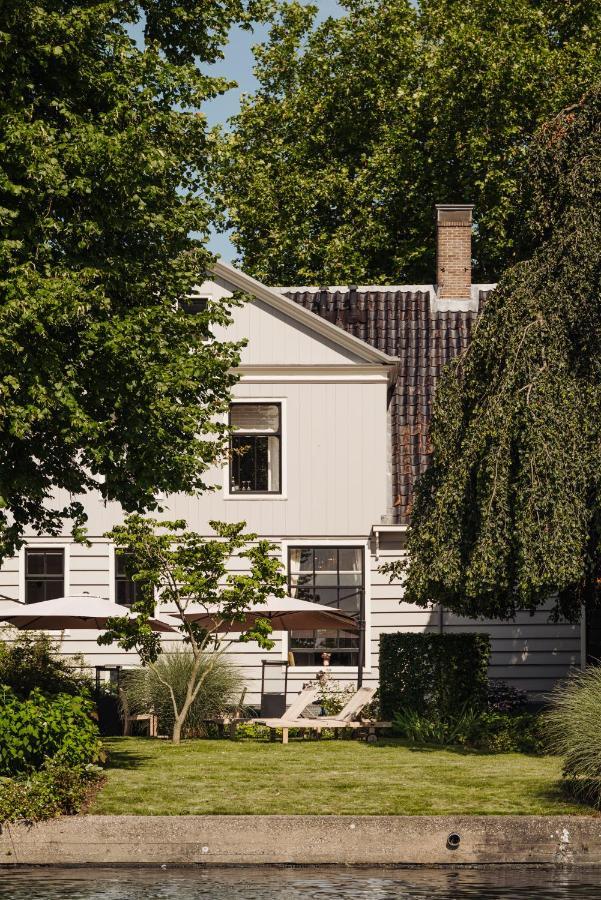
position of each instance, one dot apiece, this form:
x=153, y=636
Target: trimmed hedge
x=434, y=675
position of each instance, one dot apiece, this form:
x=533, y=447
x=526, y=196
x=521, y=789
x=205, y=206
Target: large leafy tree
x=360, y=124
x=509, y=514
x=105, y=382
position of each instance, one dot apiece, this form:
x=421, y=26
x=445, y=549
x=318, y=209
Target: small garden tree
x=179, y=571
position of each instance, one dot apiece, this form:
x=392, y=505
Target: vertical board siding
x=334, y=454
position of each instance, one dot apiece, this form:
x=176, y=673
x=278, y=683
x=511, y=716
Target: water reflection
x=293, y=884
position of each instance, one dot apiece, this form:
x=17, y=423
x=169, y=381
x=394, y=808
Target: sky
x=237, y=66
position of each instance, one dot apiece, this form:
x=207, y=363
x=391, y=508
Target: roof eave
x=316, y=323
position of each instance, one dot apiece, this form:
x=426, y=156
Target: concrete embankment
x=304, y=840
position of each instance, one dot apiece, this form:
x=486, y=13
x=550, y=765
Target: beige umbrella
x=84, y=612
x=284, y=613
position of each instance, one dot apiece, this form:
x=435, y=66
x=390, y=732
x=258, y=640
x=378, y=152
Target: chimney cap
x=454, y=213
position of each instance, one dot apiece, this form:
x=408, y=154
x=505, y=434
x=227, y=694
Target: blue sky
x=237, y=66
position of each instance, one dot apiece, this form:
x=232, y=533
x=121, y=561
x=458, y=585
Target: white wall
x=531, y=652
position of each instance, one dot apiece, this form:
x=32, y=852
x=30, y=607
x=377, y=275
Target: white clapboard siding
x=531, y=652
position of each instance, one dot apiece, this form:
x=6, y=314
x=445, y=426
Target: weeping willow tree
x=509, y=514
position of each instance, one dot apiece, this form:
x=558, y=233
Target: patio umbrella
x=284, y=613
x=85, y=612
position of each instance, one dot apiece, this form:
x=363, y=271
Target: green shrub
x=32, y=730
x=422, y=730
x=29, y=662
x=144, y=689
x=57, y=789
x=435, y=675
x=493, y=732
x=573, y=728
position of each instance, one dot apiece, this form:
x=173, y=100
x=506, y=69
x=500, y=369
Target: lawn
x=152, y=777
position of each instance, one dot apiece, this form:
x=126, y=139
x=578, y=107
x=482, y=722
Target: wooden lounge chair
x=348, y=717
x=294, y=712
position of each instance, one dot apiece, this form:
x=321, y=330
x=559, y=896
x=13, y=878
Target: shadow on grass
x=126, y=759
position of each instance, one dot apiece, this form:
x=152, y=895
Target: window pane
x=55, y=562
x=255, y=417
x=273, y=464
x=35, y=562
x=255, y=463
x=350, y=601
x=54, y=589
x=301, y=559
x=327, y=596
x=326, y=579
x=34, y=592
x=326, y=559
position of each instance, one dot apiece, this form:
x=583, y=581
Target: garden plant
x=574, y=732
x=180, y=571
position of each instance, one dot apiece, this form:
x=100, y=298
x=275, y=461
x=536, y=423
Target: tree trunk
x=176, y=735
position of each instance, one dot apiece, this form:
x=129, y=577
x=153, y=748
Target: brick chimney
x=454, y=251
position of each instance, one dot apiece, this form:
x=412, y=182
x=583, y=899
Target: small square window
x=255, y=448
x=44, y=575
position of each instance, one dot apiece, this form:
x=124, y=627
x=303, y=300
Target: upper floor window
x=335, y=577
x=44, y=575
x=126, y=589
x=256, y=448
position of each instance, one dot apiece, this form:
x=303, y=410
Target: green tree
x=105, y=383
x=509, y=514
x=180, y=571
x=360, y=124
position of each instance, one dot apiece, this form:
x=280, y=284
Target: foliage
x=102, y=221
x=508, y=515
x=572, y=725
x=504, y=697
x=56, y=789
x=333, y=695
x=493, y=732
x=32, y=730
x=361, y=123
x=424, y=730
x=221, y=687
x=436, y=675
x=183, y=572
x=29, y=661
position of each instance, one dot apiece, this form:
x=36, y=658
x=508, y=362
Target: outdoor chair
x=347, y=718
x=230, y=719
x=305, y=698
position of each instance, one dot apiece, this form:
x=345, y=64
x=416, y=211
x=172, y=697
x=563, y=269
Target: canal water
x=293, y=884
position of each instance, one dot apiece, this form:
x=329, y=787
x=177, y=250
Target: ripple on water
x=318, y=884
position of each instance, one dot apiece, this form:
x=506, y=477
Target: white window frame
x=334, y=542
x=243, y=496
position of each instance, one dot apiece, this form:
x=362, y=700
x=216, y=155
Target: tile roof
x=404, y=324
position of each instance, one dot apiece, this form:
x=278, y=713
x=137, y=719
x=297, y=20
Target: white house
x=333, y=404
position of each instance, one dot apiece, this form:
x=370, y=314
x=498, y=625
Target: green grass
x=152, y=777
